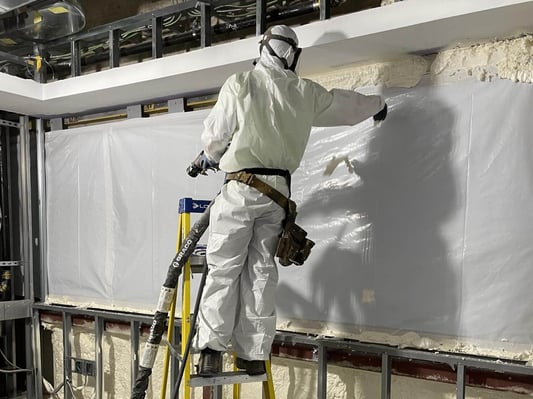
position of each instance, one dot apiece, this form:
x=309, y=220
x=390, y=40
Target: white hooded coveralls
x=262, y=119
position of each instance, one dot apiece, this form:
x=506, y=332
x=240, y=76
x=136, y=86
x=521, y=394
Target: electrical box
x=83, y=367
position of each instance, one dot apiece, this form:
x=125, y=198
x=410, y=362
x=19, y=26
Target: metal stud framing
x=176, y=105
x=460, y=386
x=26, y=235
x=260, y=17
x=387, y=353
x=99, y=371
x=207, y=35
x=114, y=48
x=157, y=38
x=325, y=9
x=75, y=60
x=135, y=329
x=322, y=371
x=155, y=19
x=386, y=363
x=99, y=327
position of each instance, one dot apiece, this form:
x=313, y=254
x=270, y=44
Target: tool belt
x=293, y=247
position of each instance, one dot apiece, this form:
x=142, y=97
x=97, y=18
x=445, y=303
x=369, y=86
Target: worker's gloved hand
x=206, y=163
x=381, y=115
x=200, y=165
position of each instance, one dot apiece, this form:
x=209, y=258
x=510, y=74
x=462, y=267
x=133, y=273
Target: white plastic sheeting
x=432, y=233
x=112, y=207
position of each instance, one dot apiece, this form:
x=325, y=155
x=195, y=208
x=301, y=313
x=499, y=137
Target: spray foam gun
x=200, y=165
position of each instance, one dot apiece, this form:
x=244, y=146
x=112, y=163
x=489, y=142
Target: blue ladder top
x=189, y=205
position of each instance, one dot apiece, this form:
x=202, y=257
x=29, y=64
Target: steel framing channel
x=41, y=195
x=134, y=111
x=57, y=124
x=114, y=48
x=11, y=380
x=75, y=58
x=176, y=105
x=9, y=263
x=9, y=123
x=325, y=9
x=109, y=315
x=137, y=20
x=38, y=376
x=206, y=37
x=322, y=378
x=15, y=309
x=386, y=363
x=98, y=335
x=30, y=377
x=157, y=16
x=9, y=184
x=502, y=366
x=26, y=237
x=460, y=385
x=157, y=37
x=260, y=17
x=67, y=354
x=175, y=360
x=134, y=333
x=387, y=353
x=155, y=19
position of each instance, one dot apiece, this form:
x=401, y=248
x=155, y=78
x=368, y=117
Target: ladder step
x=231, y=377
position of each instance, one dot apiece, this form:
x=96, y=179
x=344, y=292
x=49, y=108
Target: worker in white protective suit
x=260, y=123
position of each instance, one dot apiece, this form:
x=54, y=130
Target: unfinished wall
x=293, y=379
x=509, y=60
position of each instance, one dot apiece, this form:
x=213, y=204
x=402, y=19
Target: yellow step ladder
x=195, y=265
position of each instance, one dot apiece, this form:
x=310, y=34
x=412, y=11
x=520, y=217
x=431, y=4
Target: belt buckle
x=249, y=178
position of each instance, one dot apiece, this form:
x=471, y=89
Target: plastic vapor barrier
x=112, y=196
x=422, y=223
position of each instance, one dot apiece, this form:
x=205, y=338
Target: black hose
x=192, y=332
x=158, y=324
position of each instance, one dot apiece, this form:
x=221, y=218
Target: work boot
x=252, y=367
x=210, y=363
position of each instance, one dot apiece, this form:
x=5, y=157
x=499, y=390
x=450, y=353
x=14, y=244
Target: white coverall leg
x=238, y=302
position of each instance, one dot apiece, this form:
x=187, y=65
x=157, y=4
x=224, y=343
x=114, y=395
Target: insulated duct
x=40, y=22
x=10, y=5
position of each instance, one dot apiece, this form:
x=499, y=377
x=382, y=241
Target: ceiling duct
x=10, y=5
x=41, y=22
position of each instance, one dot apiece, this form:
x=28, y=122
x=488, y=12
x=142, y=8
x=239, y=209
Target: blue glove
x=200, y=164
x=381, y=115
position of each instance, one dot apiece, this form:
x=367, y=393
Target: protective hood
x=279, y=48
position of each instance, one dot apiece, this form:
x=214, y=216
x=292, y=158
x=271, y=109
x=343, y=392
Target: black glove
x=381, y=115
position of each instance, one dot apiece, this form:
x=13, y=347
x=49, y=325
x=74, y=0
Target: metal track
x=458, y=362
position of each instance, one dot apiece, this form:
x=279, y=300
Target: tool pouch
x=294, y=247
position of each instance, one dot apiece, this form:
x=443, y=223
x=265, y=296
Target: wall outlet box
x=84, y=367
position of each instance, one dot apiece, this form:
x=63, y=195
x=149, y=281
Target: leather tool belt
x=293, y=247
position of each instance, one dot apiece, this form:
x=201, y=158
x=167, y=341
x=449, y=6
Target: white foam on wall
x=508, y=59
x=505, y=59
x=405, y=72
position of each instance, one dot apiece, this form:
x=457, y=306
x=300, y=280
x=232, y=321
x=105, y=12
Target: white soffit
x=410, y=26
